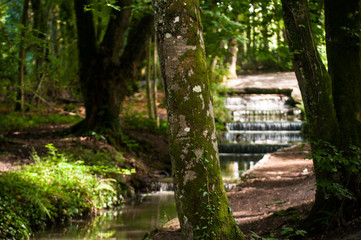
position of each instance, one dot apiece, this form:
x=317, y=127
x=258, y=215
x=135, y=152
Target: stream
x=129, y=222
x=261, y=124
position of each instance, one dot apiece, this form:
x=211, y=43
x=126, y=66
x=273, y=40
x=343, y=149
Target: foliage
x=137, y=121
x=17, y=122
x=338, y=166
x=54, y=188
x=287, y=233
x=257, y=26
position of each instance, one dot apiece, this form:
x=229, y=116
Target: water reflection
x=233, y=165
x=130, y=222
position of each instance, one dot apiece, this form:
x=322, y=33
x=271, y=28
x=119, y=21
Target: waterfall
x=262, y=123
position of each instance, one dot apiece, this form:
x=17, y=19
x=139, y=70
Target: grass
x=138, y=121
x=17, y=121
x=55, y=188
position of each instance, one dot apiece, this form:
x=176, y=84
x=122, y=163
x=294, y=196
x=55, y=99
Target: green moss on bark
x=202, y=204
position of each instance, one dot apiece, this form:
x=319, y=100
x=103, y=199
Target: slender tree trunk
x=22, y=55
x=201, y=200
x=148, y=81
x=41, y=49
x=155, y=81
x=248, y=34
x=265, y=23
x=233, y=49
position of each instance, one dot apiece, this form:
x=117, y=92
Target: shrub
x=54, y=188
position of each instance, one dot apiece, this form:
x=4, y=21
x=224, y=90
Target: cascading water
x=263, y=123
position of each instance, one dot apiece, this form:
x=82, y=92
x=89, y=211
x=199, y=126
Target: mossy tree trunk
x=313, y=79
x=332, y=104
x=105, y=76
x=202, y=203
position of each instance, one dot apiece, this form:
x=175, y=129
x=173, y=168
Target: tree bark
x=21, y=82
x=232, y=49
x=105, y=76
x=201, y=200
x=148, y=82
x=155, y=82
x=312, y=76
x=41, y=30
x=330, y=101
x=343, y=23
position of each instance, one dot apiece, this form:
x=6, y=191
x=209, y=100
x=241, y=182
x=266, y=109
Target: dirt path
x=280, y=181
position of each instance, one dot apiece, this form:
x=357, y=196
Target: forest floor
x=274, y=195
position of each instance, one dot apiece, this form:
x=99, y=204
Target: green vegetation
x=16, y=122
x=287, y=233
x=55, y=188
x=137, y=121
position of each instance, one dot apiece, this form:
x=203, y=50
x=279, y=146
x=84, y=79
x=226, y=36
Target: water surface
x=127, y=223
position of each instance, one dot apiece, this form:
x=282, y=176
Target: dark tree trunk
x=332, y=104
x=343, y=24
x=313, y=78
x=105, y=76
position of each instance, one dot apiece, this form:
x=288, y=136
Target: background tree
x=49, y=51
x=201, y=200
x=108, y=68
x=327, y=99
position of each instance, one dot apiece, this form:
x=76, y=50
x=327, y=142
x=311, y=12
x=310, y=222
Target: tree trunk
x=148, y=82
x=343, y=22
x=328, y=108
x=22, y=55
x=313, y=78
x=265, y=23
x=201, y=200
x=233, y=49
x=41, y=49
x=155, y=81
x=104, y=76
x=343, y=44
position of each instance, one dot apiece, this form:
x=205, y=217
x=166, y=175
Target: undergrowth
x=55, y=188
x=137, y=121
x=17, y=121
